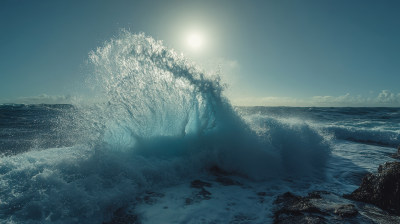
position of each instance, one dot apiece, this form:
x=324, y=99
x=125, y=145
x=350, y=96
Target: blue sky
x=291, y=53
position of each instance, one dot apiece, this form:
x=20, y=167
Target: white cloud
x=268, y=101
x=387, y=97
x=384, y=99
x=41, y=99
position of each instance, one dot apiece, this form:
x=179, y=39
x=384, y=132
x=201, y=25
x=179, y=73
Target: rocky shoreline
x=381, y=189
x=377, y=200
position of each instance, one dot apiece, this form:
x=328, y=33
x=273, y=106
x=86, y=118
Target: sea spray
x=158, y=103
x=158, y=121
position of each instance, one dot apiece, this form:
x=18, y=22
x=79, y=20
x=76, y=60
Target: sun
x=195, y=40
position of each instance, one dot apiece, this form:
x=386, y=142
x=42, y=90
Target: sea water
x=158, y=123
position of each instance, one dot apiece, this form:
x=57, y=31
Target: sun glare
x=195, y=40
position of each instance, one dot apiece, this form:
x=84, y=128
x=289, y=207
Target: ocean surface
x=162, y=123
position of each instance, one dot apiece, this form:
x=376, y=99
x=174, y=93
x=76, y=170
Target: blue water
x=157, y=122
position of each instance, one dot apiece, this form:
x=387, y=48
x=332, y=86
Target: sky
x=271, y=52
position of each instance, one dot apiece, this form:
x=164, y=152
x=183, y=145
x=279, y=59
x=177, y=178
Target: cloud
x=268, y=101
x=387, y=97
x=41, y=99
x=384, y=99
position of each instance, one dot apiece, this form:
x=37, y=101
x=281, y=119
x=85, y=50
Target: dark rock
x=226, y=181
x=381, y=189
x=204, y=194
x=121, y=216
x=189, y=201
x=296, y=204
x=217, y=171
x=326, y=207
x=316, y=194
x=396, y=155
x=262, y=194
x=348, y=210
x=199, y=184
x=222, y=176
x=201, y=195
x=297, y=209
x=150, y=197
x=309, y=219
x=287, y=197
x=243, y=218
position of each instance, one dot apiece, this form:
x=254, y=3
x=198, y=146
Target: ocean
x=160, y=124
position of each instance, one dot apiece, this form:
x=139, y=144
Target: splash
x=159, y=120
x=159, y=103
x=153, y=91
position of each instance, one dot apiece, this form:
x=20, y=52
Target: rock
x=297, y=209
x=222, y=176
x=316, y=194
x=381, y=189
x=396, y=155
x=262, y=194
x=121, y=216
x=150, y=197
x=348, y=210
x=217, y=171
x=226, y=181
x=126, y=219
x=242, y=218
x=204, y=194
x=317, y=207
x=199, y=184
x=309, y=219
x=201, y=195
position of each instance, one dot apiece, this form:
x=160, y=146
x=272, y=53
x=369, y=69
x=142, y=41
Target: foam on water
x=160, y=122
x=369, y=135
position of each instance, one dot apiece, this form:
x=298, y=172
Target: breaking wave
x=158, y=120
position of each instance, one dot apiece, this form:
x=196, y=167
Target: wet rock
x=309, y=219
x=121, y=216
x=217, y=171
x=196, y=197
x=204, y=194
x=189, y=201
x=396, y=155
x=297, y=209
x=150, y=197
x=316, y=194
x=381, y=189
x=262, y=194
x=326, y=207
x=316, y=207
x=348, y=210
x=222, y=176
x=226, y=181
x=199, y=184
x=242, y=218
